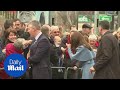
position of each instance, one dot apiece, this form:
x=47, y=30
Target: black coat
x=107, y=64
x=2, y=55
x=40, y=58
x=26, y=36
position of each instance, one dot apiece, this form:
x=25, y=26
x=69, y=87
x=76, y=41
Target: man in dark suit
x=107, y=64
x=39, y=52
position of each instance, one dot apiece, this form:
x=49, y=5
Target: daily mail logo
x=15, y=65
x=12, y=66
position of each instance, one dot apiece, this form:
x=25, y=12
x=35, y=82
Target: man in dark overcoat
x=107, y=64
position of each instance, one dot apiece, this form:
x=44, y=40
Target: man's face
x=31, y=30
x=100, y=30
x=87, y=30
x=17, y=25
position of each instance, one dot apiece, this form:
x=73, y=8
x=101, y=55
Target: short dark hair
x=8, y=31
x=86, y=26
x=7, y=24
x=16, y=19
x=104, y=24
x=78, y=39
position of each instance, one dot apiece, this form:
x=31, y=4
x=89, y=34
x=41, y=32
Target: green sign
x=105, y=17
x=82, y=18
x=85, y=19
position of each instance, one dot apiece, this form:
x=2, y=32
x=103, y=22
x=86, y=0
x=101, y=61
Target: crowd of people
x=46, y=46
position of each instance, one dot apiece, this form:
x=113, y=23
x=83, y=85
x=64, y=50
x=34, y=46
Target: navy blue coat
x=40, y=58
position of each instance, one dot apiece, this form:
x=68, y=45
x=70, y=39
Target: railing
x=66, y=70
x=65, y=73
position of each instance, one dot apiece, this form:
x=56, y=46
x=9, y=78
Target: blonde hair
x=92, y=37
x=57, y=38
x=115, y=32
x=118, y=29
x=52, y=28
x=19, y=43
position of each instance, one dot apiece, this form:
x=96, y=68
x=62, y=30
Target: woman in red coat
x=10, y=37
x=16, y=47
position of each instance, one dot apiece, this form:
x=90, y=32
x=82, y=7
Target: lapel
x=35, y=42
x=40, y=37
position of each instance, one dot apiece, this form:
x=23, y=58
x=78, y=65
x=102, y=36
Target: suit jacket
x=40, y=58
x=107, y=64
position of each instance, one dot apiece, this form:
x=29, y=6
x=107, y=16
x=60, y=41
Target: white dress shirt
x=36, y=38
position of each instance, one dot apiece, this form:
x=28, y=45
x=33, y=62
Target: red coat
x=10, y=49
x=97, y=44
x=66, y=51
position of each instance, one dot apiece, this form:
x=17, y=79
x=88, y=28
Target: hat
x=86, y=26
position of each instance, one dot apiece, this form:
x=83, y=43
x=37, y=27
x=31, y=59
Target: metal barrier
x=65, y=73
x=58, y=67
x=66, y=70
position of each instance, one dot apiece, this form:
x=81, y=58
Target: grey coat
x=107, y=64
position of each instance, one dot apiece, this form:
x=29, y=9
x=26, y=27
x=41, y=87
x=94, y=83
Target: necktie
x=33, y=42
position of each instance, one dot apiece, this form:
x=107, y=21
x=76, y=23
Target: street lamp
x=96, y=21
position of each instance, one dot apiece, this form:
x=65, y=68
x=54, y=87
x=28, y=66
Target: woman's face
x=56, y=32
x=118, y=35
x=92, y=43
x=57, y=40
x=12, y=37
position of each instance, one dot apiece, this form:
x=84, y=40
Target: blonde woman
x=117, y=34
x=92, y=42
x=17, y=46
